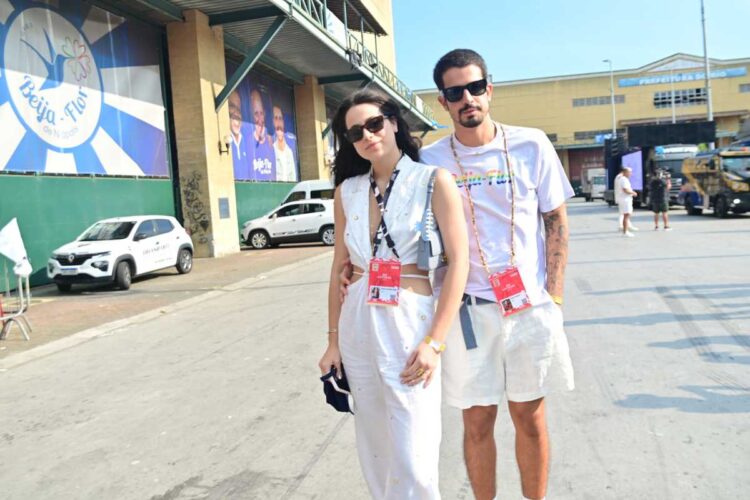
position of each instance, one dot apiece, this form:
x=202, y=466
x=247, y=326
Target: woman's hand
x=345, y=279
x=420, y=366
x=332, y=357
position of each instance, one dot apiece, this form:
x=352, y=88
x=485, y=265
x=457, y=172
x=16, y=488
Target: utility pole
x=671, y=81
x=707, y=70
x=612, y=98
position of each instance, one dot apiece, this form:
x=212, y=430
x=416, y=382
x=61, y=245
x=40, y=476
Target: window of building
x=597, y=101
x=590, y=135
x=552, y=137
x=744, y=87
x=683, y=97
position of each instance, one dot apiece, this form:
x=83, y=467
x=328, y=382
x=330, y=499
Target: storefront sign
x=697, y=76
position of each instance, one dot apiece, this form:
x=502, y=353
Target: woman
x=391, y=353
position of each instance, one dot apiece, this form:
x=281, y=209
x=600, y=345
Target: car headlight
x=102, y=254
x=101, y=265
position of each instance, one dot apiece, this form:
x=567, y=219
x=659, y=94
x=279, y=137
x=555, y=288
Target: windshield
x=674, y=166
x=102, y=231
x=738, y=165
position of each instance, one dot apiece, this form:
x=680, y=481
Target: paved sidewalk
x=54, y=315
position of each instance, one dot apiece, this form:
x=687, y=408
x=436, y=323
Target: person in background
x=659, y=196
x=624, y=195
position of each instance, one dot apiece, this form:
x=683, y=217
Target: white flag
x=11, y=245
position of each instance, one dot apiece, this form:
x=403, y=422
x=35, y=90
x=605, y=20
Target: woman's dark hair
x=348, y=163
x=457, y=58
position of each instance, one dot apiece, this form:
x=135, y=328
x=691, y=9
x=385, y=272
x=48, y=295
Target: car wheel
x=691, y=210
x=184, y=261
x=258, y=239
x=328, y=236
x=64, y=287
x=721, y=208
x=123, y=276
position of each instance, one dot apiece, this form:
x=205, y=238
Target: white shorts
x=626, y=205
x=515, y=357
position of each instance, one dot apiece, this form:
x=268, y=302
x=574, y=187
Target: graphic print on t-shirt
x=492, y=178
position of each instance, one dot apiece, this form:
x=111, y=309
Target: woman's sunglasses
x=374, y=125
x=455, y=94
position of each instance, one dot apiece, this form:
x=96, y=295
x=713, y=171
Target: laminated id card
x=509, y=291
x=384, y=282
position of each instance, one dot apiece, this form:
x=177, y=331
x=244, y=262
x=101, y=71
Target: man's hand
x=345, y=277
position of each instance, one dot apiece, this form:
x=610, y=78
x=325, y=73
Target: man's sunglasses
x=455, y=94
x=374, y=125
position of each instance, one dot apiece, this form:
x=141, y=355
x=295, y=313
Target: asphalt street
x=217, y=396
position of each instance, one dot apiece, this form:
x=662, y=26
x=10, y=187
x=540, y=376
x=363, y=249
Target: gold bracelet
x=438, y=347
x=557, y=299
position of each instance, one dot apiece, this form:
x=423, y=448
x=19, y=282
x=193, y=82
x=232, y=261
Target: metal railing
x=354, y=43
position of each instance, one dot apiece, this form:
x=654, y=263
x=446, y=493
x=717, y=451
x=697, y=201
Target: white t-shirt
x=541, y=186
x=285, y=168
x=621, y=184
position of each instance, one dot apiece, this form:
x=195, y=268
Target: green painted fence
x=257, y=198
x=52, y=211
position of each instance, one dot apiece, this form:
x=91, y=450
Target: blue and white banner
x=696, y=76
x=80, y=91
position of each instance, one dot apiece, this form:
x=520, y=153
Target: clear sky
x=539, y=38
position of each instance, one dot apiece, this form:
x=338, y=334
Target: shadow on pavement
x=708, y=399
x=714, y=291
x=657, y=318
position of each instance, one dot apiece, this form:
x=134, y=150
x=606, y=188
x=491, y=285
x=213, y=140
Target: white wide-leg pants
x=398, y=428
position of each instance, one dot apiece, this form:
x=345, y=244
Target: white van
x=320, y=189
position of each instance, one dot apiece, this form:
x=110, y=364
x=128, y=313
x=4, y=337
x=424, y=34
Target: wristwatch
x=438, y=347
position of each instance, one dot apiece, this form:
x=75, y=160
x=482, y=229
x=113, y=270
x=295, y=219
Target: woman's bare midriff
x=415, y=285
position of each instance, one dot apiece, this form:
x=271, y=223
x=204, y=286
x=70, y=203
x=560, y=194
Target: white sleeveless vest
x=403, y=214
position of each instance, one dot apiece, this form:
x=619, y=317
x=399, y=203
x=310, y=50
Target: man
x=624, y=195
x=490, y=356
x=286, y=171
x=239, y=135
x=262, y=154
x=659, y=195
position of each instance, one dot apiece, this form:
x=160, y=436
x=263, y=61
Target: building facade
x=576, y=112
x=207, y=110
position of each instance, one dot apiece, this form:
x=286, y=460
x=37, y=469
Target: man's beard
x=473, y=122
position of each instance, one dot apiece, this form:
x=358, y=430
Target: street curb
x=112, y=328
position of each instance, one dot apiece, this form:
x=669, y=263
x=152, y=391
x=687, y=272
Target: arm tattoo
x=556, y=248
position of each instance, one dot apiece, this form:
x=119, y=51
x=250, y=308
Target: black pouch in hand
x=337, y=391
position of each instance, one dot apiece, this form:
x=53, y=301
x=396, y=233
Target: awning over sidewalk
x=294, y=38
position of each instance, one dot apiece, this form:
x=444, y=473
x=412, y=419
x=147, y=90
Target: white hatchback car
x=116, y=250
x=295, y=222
